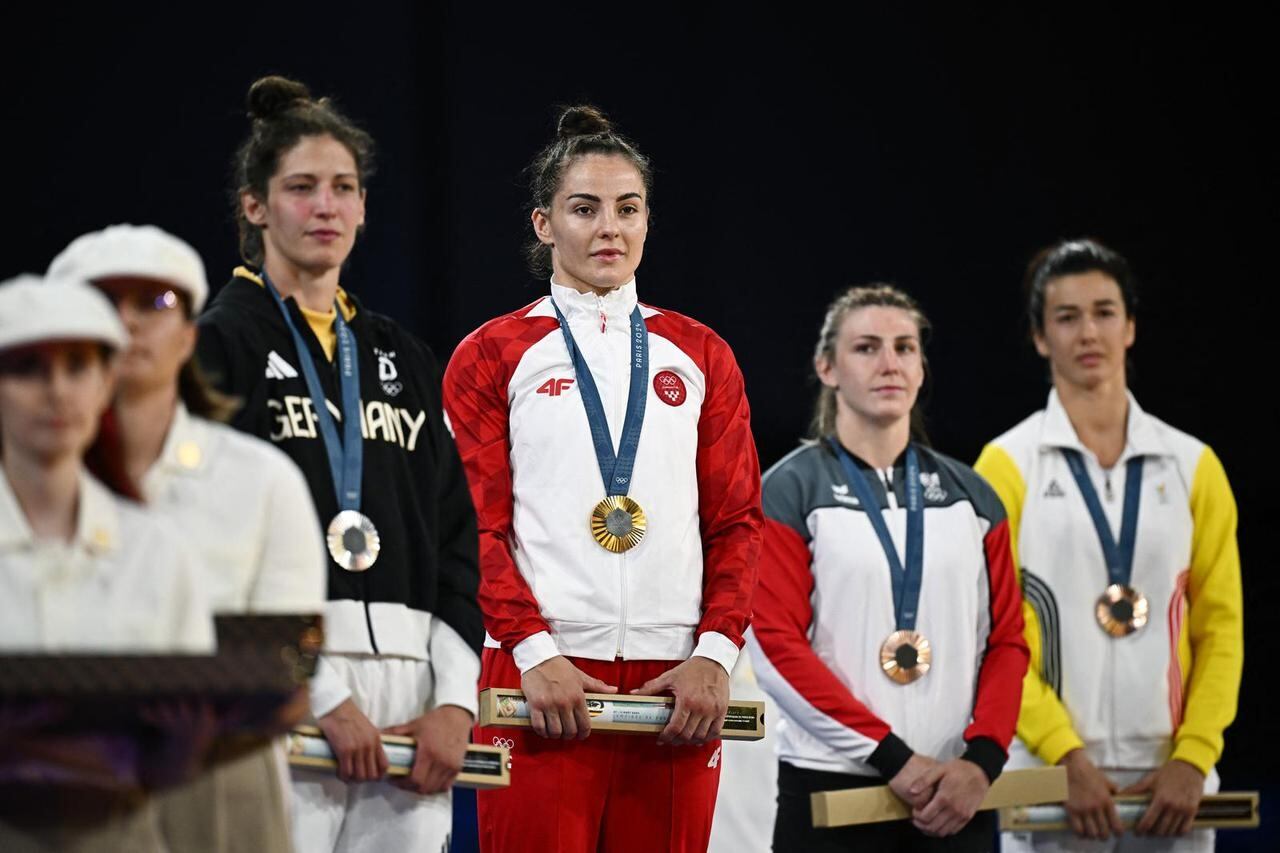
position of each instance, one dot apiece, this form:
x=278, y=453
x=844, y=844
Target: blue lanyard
x=905, y=579
x=346, y=458
x=614, y=469
x=1119, y=557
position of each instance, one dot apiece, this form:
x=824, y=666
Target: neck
x=1099, y=415
x=583, y=287
x=145, y=418
x=313, y=290
x=876, y=444
x=47, y=492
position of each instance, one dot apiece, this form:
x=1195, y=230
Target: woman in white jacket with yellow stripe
x=1124, y=531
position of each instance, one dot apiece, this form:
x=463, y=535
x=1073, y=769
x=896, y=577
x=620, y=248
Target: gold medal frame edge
x=596, y=523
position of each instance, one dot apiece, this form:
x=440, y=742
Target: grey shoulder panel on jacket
x=799, y=483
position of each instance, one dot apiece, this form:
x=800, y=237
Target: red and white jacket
x=824, y=606
x=546, y=587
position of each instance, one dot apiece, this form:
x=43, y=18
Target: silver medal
x=353, y=541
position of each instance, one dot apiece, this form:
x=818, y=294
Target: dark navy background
x=796, y=154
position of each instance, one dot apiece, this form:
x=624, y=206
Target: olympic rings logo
x=504, y=742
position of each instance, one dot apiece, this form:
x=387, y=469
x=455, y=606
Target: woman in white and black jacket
x=402, y=625
x=891, y=640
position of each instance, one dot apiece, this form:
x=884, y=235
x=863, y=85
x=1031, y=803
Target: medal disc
x=1121, y=610
x=353, y=541
x=618, y=523
x=905, y=656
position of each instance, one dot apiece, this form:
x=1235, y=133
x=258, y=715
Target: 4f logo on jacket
x=554, y=387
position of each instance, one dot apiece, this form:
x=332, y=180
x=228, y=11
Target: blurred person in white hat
x=82, y=568
x=242, y=504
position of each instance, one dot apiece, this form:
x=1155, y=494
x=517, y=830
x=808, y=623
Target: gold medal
x=353, y=541
x=1121, y=610
x=905, y=656
x=618, y=523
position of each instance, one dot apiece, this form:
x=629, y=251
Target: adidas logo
x=1054, y=490
x=278, y=368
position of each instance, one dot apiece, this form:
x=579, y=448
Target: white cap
x=35, y=310
x=134, y=251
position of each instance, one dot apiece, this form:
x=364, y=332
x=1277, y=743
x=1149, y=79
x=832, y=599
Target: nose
x=130, y=315
x=325, y=201
x=890, y=360
x=608, y=223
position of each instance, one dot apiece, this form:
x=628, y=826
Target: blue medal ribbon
x=1119, y=557
x=346, y=456
x=906, y=579
x=615, y=469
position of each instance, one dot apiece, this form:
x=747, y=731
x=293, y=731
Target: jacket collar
x=346, y=301
x=185, y=450
x=616, y=305
x=97, y=522
x=1142, y=437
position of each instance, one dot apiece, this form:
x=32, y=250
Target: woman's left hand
x=442, y=745
x=701, y=688
x=1176, y=789
x=960, y=787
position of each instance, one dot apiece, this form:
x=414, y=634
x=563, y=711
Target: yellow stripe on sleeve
x=1215, y=618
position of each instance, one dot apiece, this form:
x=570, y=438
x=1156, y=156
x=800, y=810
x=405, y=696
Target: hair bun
x=270, y=96
x=582, y=120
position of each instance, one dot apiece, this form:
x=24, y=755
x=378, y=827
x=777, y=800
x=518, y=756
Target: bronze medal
x=1121, y=610
x=618, y=523
x=905, y=656
x=353, y=541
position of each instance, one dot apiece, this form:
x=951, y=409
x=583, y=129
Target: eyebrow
x=311, y=176
x=880, y=338
x=596, y=198
x=1072, y=306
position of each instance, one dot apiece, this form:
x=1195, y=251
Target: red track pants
x=612, y=793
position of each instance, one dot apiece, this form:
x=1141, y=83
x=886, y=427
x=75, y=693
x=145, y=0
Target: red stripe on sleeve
x=782, y=615
x=1004, y=663
x=475, y=396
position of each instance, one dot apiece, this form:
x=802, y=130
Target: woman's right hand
x=356, y=743
x=557, y=707
x=905, y=782
x=1091, y=807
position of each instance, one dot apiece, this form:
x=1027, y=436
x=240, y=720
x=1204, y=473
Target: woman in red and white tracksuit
x=883, y=557
x=655, y=596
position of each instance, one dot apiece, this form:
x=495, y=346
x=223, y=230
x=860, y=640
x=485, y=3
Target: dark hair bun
x=583, y=120
x=270, y=96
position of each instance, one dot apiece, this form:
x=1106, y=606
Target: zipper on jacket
x=604, y=318
x=622, y=617
x=887, y=478
x=1106, y=484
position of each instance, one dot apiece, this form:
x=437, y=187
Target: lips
x=607, y=254
x=324, y=235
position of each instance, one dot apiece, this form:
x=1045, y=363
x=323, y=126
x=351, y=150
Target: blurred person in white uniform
x=81, y=569
x=242, y=505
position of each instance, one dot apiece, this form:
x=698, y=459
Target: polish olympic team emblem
x=670, y=388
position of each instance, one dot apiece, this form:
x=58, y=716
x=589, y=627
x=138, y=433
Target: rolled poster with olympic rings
x=744, y=720
x=483, y=766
